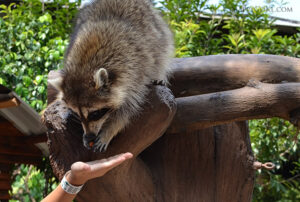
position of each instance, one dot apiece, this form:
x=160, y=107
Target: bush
x=32, y=43
x=33, y=39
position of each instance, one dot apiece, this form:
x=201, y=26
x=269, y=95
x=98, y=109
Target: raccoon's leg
x=115, y=123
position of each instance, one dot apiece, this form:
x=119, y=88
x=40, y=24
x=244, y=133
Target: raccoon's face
x=93, y=99
x=92, y=119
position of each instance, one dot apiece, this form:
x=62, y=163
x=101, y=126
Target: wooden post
x=197, y=159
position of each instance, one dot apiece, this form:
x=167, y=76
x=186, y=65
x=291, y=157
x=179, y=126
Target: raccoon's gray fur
x=117, y=48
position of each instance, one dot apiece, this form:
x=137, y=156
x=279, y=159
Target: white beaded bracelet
x=67, y=187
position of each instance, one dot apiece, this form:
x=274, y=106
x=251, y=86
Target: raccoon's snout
x=89, y=140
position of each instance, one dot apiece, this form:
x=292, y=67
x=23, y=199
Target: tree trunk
x=195, y=160
x=208, y=165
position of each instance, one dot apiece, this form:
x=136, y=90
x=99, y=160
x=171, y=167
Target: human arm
x=81, y=172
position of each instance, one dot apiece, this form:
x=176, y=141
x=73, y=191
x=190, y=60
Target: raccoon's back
x=147, y=26
x=139, y=13
x=127, y=37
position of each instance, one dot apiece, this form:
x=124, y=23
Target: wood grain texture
x=21, y=140
x=23, y=150
x=215, y=73
x=5, y=185
x=4, y=195
x=213, y=164
x=12, y=159
x=197, y=159
x=8, y=129
x=256, y=100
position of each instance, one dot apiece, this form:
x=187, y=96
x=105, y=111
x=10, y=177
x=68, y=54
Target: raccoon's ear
x=101, y=78
x=56, y=83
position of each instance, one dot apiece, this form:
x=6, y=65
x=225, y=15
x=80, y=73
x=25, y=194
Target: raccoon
x=116, y=49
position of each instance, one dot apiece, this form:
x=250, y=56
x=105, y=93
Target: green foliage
x=33, y=39
x=276, y=140
x=32, y=42
x=28, y=184
x=244, y=31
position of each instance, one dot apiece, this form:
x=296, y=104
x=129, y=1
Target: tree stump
x=205, y=154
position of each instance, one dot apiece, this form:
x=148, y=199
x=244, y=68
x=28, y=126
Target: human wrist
x=70, y=187
x=74, y=179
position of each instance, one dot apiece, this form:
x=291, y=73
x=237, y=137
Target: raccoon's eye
x=96, y=115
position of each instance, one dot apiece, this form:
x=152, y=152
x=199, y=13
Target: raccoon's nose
x=89, y=136
x=89, y=140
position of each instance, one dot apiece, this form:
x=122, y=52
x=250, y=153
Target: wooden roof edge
x=23, y=117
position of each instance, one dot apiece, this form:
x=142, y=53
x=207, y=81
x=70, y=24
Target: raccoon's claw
x=160, y=83
x=99, y=146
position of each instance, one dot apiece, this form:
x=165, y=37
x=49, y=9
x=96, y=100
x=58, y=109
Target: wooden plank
x=5, y=167
x=26, y=150
x=21, y=140
x=7, y=128
x=5, y=176
x=11, y=159
x=4, y=195
x=14, y=102
x=5, y=185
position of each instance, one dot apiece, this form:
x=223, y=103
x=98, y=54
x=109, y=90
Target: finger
x=126, y=155
x=111, y=162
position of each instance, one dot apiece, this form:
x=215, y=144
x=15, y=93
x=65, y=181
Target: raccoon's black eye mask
x=98, y=114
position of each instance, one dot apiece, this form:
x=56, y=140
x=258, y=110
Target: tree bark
x=215, y=73
x=213, y=164
x=255, y=101
x=195, y=160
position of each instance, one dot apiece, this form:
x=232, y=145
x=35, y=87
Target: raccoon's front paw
x=99, y=146
x=101, y=143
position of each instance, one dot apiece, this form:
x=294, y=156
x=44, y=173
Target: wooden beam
x=6, y=128
x=5, y=167
x=11, y=159
x=26, y=150
x=14, y=102
x=255, y=101
x=4, y=195
x=5, y=185
x=23, y=140
x=5, y=176
x=215, y=73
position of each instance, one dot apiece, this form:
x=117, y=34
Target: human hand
x=82, y=172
